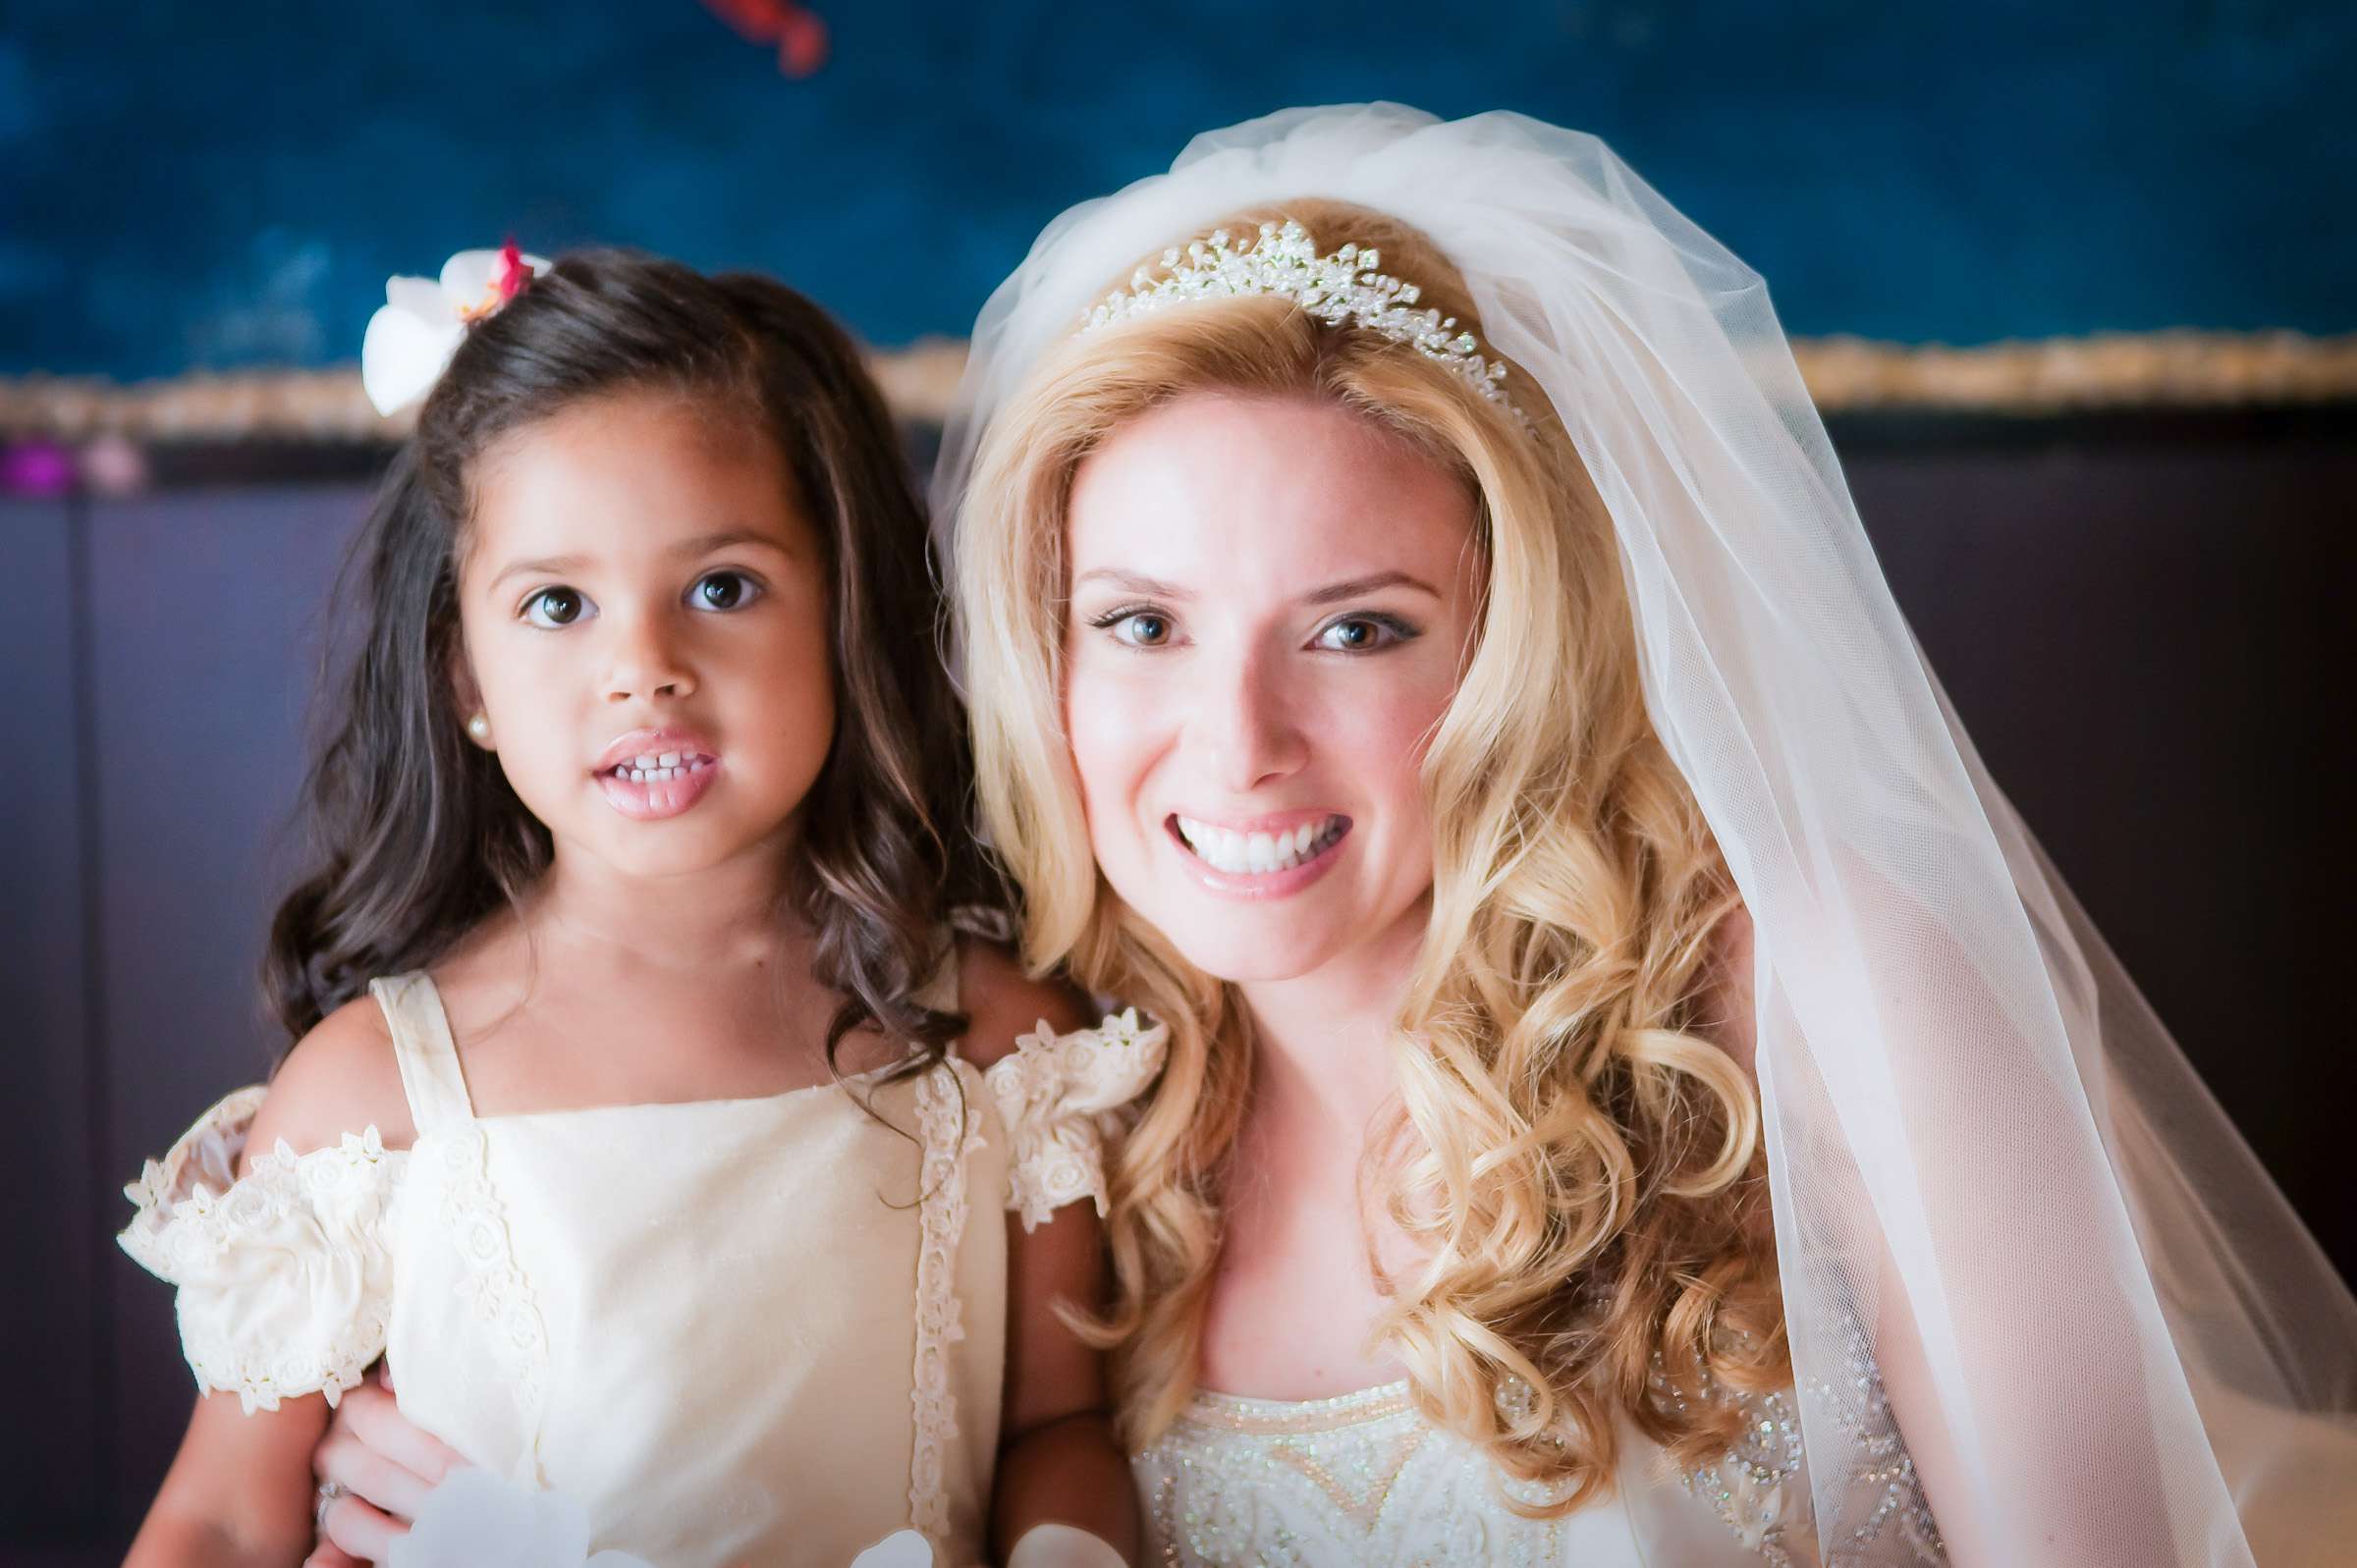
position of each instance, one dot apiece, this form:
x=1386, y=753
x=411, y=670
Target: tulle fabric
x=2106, y=1336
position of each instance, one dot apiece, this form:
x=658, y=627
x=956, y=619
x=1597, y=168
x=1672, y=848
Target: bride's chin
x=1246, y=953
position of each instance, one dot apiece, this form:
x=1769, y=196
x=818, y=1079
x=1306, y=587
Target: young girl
x=639, y=1094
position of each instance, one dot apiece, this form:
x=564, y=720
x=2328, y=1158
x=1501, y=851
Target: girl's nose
x=647, y=663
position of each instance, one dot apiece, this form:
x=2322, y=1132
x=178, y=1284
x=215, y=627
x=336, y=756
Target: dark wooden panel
x=52, y=1434
x=2149, y=644
x=206, y=608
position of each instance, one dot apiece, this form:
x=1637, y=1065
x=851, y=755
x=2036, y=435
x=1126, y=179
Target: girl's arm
x=240, y=1489
x=1059, y=1459
x=1060, y=1462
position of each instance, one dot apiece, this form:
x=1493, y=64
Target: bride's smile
x=1271, y=601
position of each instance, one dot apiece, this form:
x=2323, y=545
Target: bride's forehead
x=1224, y=479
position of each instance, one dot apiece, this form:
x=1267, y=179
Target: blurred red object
x=797, y=30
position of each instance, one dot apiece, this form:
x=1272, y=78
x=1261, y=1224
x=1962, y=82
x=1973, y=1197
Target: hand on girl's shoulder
x=341, y=1077
x=1001, y=1002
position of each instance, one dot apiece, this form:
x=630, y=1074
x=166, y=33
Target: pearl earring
x=479, y=726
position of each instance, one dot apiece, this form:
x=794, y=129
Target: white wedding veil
x=2105, y=1336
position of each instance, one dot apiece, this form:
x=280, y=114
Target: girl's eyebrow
x=728, y=538
x=545, y=566
x=700, y=545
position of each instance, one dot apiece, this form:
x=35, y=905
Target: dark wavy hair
x=419, y=837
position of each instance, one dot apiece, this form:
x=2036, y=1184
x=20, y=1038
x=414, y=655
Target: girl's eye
x=552, y=608
x=1363, y=634
x=723, y=590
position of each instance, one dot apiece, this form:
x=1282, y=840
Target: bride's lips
x=1290, y=868
x=652, y=773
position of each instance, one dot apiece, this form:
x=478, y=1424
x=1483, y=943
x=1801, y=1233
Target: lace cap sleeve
x=1061, y=1097
x=284, y=1275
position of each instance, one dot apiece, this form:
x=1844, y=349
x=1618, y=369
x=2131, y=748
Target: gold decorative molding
x=1846, y=375
x=2067, y=375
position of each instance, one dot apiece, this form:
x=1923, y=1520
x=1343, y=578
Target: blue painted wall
x=202, y=185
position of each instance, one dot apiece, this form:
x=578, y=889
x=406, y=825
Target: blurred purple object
x=35, y=469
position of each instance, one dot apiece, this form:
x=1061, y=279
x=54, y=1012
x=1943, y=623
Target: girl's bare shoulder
x=1001, y=1002
x=339, y=1077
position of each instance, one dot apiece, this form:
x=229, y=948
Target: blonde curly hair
x=1579, y=1168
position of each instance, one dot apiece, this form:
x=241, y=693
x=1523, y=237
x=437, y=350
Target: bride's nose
x=1246, y=723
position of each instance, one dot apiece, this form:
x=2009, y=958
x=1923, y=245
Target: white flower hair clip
x=423, y=321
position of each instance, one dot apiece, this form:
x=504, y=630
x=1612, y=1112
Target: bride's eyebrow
x=1360, y=587
x=1132, y=582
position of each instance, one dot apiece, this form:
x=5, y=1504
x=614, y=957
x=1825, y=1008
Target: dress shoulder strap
x=428, y=1054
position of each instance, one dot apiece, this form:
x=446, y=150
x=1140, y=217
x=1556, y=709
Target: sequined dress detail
x=1363, y=1480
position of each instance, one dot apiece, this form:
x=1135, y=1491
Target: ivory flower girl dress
x=764, y=1330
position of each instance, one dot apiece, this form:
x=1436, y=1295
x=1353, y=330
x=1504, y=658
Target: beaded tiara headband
x=1343, y=289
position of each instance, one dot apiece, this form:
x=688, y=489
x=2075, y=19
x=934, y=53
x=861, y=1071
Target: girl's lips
x=675, y=740
x=657, y=798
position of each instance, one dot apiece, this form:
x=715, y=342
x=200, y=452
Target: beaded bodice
x=1364, y=1481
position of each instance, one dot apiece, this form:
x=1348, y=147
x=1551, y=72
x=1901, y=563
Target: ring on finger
x=329, y=1492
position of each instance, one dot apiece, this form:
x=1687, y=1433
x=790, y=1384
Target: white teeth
x=661, y=769
x=1252, y=854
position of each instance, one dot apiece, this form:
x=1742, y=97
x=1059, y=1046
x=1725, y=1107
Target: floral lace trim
x=502, y=1297
x=1061, y=1097
x=941, y=1116
x=183, y=1230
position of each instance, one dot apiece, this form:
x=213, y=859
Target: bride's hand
x=385, y=1467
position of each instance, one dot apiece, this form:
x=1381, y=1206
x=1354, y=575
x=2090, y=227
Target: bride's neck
x=1323, y=1065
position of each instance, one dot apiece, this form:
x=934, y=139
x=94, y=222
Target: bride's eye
x=552, y=609
x=1136, y=628
x=1363, y=634
x=723, y=590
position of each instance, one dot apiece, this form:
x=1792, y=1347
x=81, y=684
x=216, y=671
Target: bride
x=1637, y=1093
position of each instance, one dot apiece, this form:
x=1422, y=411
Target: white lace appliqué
x=1061, y=1097
x=285, y=1281
x=947, y=1126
